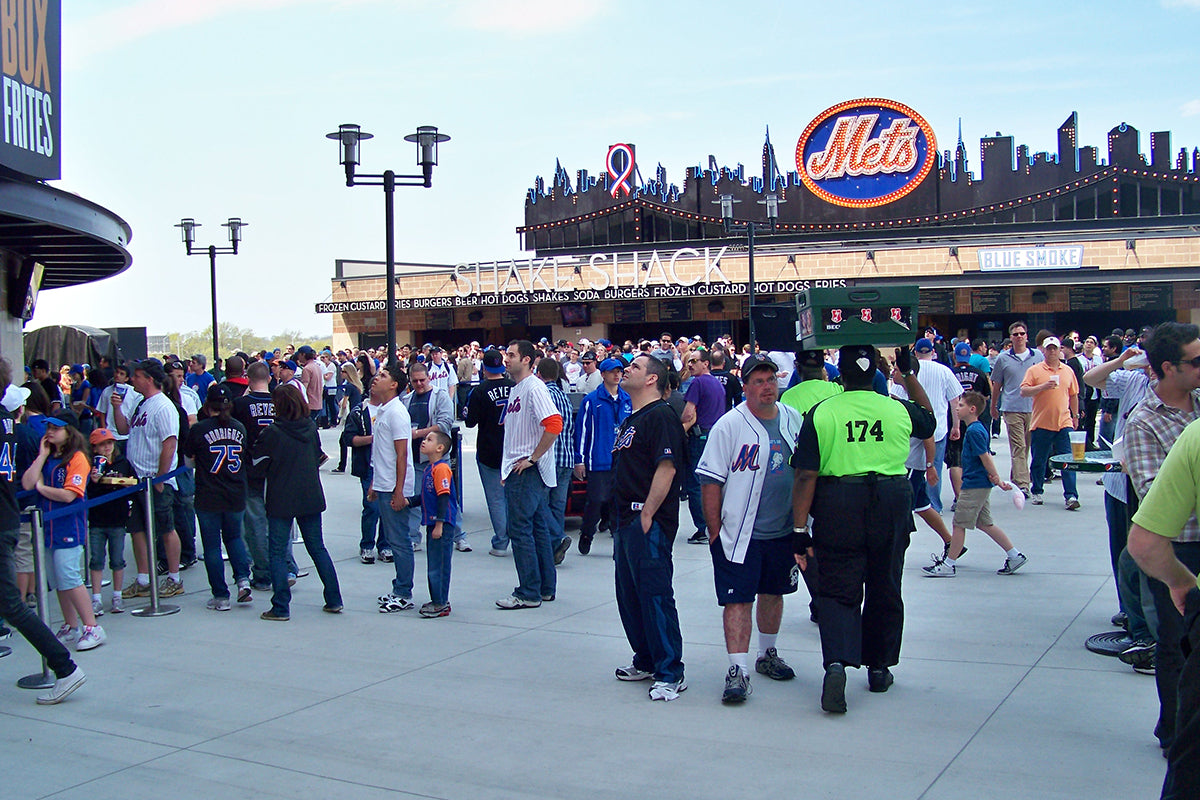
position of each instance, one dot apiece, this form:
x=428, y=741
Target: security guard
x=850, y=475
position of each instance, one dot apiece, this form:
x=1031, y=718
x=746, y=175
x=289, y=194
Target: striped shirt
x=529, y=403
x=1150, y=432
x=563, y=457
x=155, y=421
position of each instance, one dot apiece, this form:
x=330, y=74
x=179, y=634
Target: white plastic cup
x=1078, y=445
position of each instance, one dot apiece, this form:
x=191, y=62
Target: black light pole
x=235, y=225
x=772, y=202
x=427, y=139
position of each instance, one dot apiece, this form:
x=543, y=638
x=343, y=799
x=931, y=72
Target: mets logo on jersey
x=747, y=459
x=514, y=406
x=625, y=439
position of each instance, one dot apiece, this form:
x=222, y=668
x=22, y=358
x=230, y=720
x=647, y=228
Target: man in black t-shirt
x=485, y=408
x=255, y=410
x=647, y=457
x=217, y=446
x=720, y=371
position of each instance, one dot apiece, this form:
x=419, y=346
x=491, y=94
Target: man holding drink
x=1055, y=393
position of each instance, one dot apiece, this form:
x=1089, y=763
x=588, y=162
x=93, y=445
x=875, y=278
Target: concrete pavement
x=995, y=695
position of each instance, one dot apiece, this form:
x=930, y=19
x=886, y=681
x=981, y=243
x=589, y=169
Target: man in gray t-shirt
x=1007, y=374
x=746, y=490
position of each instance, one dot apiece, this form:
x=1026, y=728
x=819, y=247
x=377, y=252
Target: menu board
x=514, y=315
x=439, y=320
x=629, y=311
x=991, y=301
x=674, y=310
x=936, y=301
x=1090, y=298
x=1151, y=296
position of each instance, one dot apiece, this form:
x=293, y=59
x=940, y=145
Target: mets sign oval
x=864, y=153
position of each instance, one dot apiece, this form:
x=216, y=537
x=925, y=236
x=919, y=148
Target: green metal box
x=878, y=315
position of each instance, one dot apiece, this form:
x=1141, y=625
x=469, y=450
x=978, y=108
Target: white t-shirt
x=391, y=424
x=529, y=403
x=190, y=400
x=939, y=383
x=132, y=398
x=572, y=370
x=155, y=421
x=329, y=372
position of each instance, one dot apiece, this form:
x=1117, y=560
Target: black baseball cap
x=857, y=360
x=757, y=361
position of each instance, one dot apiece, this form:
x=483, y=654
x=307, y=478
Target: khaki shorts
x=23, y=553
x=973, y=510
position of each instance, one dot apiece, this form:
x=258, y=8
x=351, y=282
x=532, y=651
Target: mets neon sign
x=864, y=153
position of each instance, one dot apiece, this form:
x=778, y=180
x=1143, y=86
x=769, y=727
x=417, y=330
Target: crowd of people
x=795, y=466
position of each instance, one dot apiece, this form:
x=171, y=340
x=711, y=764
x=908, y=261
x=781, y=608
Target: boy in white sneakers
x=979, y=476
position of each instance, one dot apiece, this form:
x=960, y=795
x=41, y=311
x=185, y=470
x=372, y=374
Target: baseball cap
x=493, y=362
x=306, y=349
x=289, y=364
x=101, y=435
x=810, y=358
x=152, y=368
x=922, y=346
x=611, y=363
x=174, y=365
x=588, y=356
x=218, y=393
x=758, y=361
x=1051, y=341
x=77, y=368
x=14, y=397
x=858, y=360
x=962, y=352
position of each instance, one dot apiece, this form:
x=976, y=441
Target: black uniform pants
x=860, y=534
x=1183, y=759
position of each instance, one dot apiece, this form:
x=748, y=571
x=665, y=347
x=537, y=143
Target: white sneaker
x=62, y=688
x=92, y=637
x=367, y=556
x=940, y=570
x=498, y=553
x=1037, y=499
x=118, y=605
x=514, y=602
x=417, y=547
x=66, y=634
x=217, y=604
x=462, y=546
x=98, y=608
x=1012, y=564
x=667, y=690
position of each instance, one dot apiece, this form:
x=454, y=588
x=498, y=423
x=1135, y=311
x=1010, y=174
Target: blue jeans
x=939, y=461
x=556, y=510
x=439, y=552
x=394, y=527
x=414, y=520
x=1043, y=444
x=529, y=534
x=254, y=524
x=646, y=599
x=493, y=493
x=280, y=533
x=691, y=484
x=215, y=527
x=372, y=533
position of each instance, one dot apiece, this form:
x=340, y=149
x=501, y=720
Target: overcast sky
x=212, y=109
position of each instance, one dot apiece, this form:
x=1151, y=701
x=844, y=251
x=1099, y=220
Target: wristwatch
x=928, y=464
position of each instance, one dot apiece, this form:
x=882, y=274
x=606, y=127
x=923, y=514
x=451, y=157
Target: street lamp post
x=771, y=202
x=427, y=140
x=188, y=226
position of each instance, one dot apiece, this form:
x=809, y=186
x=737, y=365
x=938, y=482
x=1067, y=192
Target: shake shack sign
x=30, y=80
x=607, y=276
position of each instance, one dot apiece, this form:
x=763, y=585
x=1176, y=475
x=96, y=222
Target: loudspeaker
x=775, y=326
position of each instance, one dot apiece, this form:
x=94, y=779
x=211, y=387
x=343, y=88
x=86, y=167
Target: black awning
x=76, y=240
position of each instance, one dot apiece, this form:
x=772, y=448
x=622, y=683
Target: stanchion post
x=155, y=609
x=44, y=679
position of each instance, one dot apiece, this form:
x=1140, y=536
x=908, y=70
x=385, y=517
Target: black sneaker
x=773, y=666
x=879, y=679
x=699, y=537
x=1139, y=655
x=560, y=552
x=1120, y=620
x=737, y=686
x=187, y=562
x=585, y=545
x=833, y=690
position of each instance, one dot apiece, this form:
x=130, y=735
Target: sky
x=215, y=109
